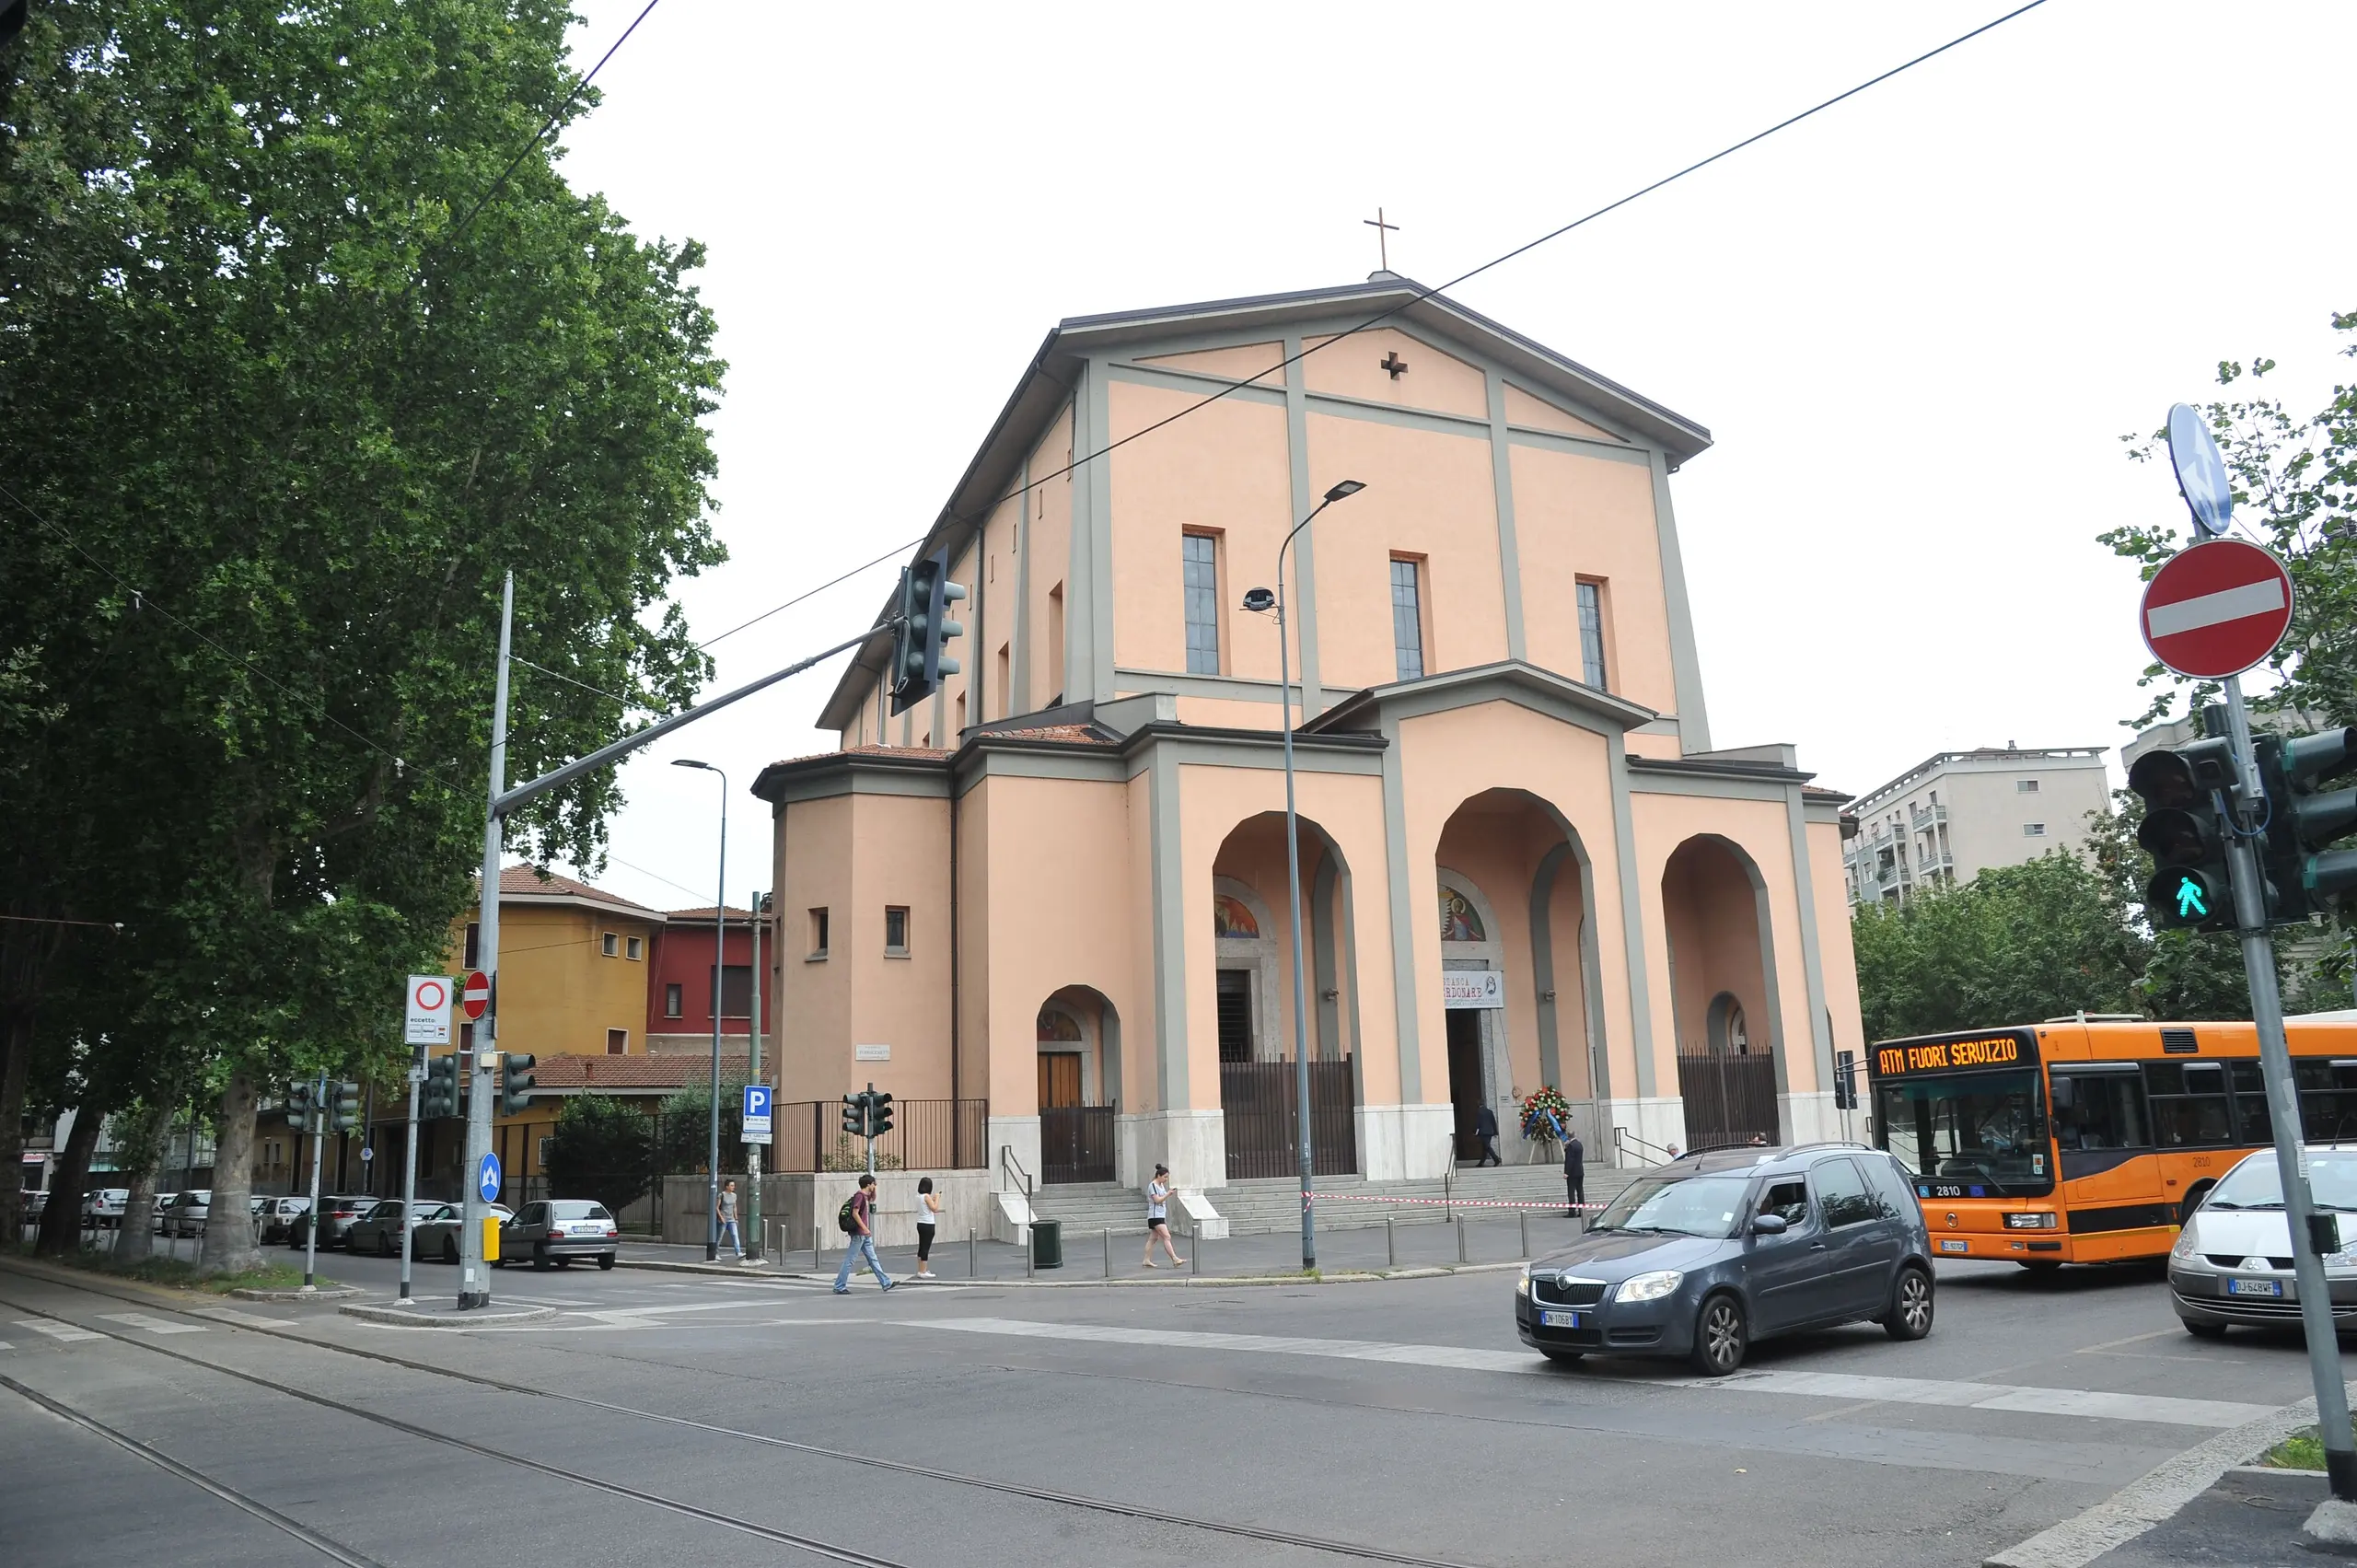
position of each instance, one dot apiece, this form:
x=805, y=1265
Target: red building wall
x=682, y=956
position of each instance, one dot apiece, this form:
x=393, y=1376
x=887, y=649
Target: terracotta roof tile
x=1079, y=732
x=690, y=916
x=529, y=879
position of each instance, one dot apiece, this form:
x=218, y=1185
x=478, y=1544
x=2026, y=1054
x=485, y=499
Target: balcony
x=1936, y=862
x=1891, y=876
x=1923, y=817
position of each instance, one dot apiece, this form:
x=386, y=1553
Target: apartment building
x=1953, y=815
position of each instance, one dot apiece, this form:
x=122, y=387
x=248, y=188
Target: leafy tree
x=602, y=1148
x=686, y=1128
x=274, y=421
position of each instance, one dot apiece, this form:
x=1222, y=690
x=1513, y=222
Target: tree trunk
x=229, y=1247
x=61, y=1222
x=16, y=1062
x=147, y=1134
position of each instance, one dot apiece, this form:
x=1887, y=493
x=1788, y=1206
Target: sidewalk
x=1492, y=1243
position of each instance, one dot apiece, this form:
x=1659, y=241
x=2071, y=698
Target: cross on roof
x=1383, y=232
x=1393, y=362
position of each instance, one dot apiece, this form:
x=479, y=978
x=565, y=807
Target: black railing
x=1075, y=1143
x=1258, y=1100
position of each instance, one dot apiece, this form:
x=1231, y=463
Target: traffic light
x=1845, y=1080
x=2183, y=791
x=438, y=1096
x=2303, y=874
x=880, y=1111
x=301, y=1105
x=343, y=1107
x=918, y=662
x=515, y=1081
x=855, y=1114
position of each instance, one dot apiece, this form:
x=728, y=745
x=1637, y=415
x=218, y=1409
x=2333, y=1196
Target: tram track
x=1079, y=1502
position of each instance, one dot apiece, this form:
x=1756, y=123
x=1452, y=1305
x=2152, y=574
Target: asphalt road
x=1403, y=1417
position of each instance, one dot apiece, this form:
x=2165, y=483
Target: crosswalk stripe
x=152, y=1325
x=2161, y=1409
x=243, y=1319
x=57, y=1330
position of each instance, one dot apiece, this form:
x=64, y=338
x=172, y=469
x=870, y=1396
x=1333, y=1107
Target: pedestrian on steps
x=928, y=1217
x=1574, y=1177
x=1485, y=1129
x=1158, y=1218
x=860, y=1240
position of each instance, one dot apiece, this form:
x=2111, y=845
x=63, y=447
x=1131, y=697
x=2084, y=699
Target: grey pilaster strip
x=1820, y=1026
x=1403, y=929
x=1321, y=935
x=1169, y=931
x=1303, y=599
x=1509, y=548
x=1099, y=581
x=1018, y=699
x=1632, y=920
x=1685, y=662
x=1543, y=962
x=1080, y=597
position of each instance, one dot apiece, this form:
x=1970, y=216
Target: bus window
x=2328, y=1100
x=2251, y=1119
x=2099, y=1110
x=1974, y=1129
x=2189, y=1101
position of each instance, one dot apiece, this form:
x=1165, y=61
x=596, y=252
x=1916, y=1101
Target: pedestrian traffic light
x=343, y=1107
x=918, y=662
x=438, y=1096
x=2305, y=876
x=879, y=1112
x=301, y=1105
x=515, y=1081
x=1845, y=1080
x=2186, y=791
x=855, y=1114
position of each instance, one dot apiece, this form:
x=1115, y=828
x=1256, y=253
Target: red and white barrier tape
x=1450, y=1202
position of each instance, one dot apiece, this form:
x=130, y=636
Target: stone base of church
x=1193, y=1143
x=1405, y=1143
x=1657, y=1121
x=1019, y=1133
x=1811, y=1119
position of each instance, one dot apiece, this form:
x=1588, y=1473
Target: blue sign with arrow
x=487, y=1180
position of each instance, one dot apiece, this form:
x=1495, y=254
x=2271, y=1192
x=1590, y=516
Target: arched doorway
x=1253, y=957
x=1079, y=1037
x=1723, y=991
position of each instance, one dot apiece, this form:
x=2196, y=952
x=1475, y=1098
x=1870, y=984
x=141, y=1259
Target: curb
x=2153, y=1497
x=162, y=1295
x=321, y=1293
x=411, y=1317
x=1183, y=1282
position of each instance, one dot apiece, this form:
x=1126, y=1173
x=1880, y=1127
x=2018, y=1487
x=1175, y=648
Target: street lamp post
x=719, y=967
x=1260, y=599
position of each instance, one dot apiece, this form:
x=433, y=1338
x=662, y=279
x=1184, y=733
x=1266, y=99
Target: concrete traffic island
x=443, y=1315
x=299, y=1296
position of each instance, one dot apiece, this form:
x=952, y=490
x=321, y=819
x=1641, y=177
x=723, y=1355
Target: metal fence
x=1258, y=1099
x=927, y=1134
x=1075, y=1143
x=1729, y=1099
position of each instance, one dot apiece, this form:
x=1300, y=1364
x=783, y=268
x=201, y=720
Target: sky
x=1917, y=325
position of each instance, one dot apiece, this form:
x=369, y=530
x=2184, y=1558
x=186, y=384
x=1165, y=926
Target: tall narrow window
x=1591, y=597
x=1055, y=645
x=674, y=1002
x=474, y=945
x=817, y=934
x=1407, y=620
x=617, y=1042
x=1200, y=559
x=1006, y=682
x=896, y=932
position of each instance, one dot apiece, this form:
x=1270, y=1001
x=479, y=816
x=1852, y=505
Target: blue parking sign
x=756, y=1119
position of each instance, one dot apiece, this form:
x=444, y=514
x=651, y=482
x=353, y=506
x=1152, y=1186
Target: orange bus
x=2089, y=1140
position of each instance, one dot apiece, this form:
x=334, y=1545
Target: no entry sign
x=475, y=999
x=2217, y=609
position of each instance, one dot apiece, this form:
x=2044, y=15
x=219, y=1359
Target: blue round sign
x=487, y=1182
x=2201, y=471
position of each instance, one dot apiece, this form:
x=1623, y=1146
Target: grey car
x=188, y=1211
x=379, y=1230
x=336, y=1215
x=438, y=1228
x=1714, y=1251
x=558, y=1230
x=2231, y=1263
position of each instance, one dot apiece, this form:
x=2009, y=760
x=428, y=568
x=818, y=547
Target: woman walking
x=928, y=1217
x=1158, y=1218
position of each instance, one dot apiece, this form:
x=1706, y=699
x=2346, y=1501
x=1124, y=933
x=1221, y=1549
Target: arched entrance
x=1080, y=1070
x=1252, y=941
x=1518, y=970
x=1722, y=991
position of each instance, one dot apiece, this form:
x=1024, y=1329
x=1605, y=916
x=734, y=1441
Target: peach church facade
x=1059, y=884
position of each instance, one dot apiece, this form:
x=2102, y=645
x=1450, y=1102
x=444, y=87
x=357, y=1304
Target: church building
x=1059, y=884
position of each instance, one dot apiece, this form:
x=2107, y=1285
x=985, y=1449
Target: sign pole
x=409, y=1168
x=474, y=1274
x=317, y=1125
x=2291, y=1149
x=752, y=1237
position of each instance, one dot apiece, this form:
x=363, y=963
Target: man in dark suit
x=1485, y=1129
x=1574, y=1175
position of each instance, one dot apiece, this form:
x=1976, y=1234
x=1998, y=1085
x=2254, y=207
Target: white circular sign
x=432, y=996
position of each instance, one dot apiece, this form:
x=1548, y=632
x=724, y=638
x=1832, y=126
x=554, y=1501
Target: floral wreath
x=1544, y=1113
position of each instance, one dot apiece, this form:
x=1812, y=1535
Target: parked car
x=188, y=1212
x=279, y=1217
x=380, y=1229
x=1714, y=1251
x=103, y=1206
x=336, y=1215
x=558, y=1230
x=159, y=1213
x=2231, y=1263
x=437, y=1233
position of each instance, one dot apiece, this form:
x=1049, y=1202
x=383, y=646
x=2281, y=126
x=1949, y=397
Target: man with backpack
x=857, y=1221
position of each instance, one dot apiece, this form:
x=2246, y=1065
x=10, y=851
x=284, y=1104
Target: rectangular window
x=2188, y=1104
x=1590, y=598
x=610, y=945
x=1198, y=563
x=961, y=717
x=735, y=990
x=637, y=949
x=2033, y=829
x=2024, y=786
x=2099, y=1110
x=674, y=1003
x=617, y=1042
x=474, y=945
x=1056, y=644
x=896, y=933
x=1407, y=618
x=818, y=933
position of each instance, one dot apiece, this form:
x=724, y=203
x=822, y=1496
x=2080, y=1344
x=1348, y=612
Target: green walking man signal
x=2192, y=899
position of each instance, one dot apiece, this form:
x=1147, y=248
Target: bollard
x=1027, y=1247
x=1460, y=1239
x=1391, y=1242
x=1525, y=1217
x=973, y=1256
x=1106, y=1232
x=1195, y=1249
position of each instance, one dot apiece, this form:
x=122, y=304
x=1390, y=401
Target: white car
x=2231, y=1263
x=159, y=1214
x=103, y=1207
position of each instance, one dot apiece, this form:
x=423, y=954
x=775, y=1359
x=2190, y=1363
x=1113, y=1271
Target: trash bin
x=1047, y=1243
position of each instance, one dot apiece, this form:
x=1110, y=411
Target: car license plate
x=1955, y=1245
x=2253, y=1287
x=1559, y=1319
